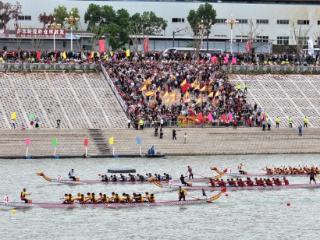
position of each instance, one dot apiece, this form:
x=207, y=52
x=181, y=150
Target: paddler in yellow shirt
x=182, y=194
x=23, y=196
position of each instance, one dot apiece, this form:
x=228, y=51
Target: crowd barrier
x=273, y=69
x=20, y=67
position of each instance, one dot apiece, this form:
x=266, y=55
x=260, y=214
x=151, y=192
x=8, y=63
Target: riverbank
x=200, y=141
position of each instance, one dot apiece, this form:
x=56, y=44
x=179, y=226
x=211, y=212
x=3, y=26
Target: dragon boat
x=56, y=205
x=79, y=181
x=238, y=188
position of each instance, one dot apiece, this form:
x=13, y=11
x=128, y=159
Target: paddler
x=190, y=173
x=146, y=197
x=312, y=178
x=23, y=196
x=182, y=194
x=71, y=175
x=151, y=198
x=182, y=180
x=241, y=169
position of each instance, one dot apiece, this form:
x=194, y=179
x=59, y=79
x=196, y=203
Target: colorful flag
x=111, y=140
x=146, y=44
x=102, y=45
x=14, y=116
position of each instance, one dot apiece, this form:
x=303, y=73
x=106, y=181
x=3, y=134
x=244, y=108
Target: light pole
x=55, y=26
x=174, y=34
x=72, y=21
x=231, y=22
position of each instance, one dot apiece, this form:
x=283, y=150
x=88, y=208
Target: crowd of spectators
x=39, y=56
x=180, y=92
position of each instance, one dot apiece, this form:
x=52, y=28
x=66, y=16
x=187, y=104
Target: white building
x=269, y=21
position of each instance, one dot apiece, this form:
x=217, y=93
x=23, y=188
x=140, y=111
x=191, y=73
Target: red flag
x=38, y=55
x=102, y=45
x=248, y=46
x=184, y=86
x=146, y=44
x=200, y=117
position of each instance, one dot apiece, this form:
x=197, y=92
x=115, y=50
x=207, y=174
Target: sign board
x=40, y=32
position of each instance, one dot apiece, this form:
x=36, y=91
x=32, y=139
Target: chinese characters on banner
x=40, y=32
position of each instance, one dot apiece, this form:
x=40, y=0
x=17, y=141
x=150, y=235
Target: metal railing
x=276, y=69
x=114, y=90
x=24, y=66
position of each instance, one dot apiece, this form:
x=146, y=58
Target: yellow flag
x=150, y=93
x=64, y=55
x=210, y=95
x=14, y=116
x=111, y=140
x=203, y=89
x=144, y=87
x=183, y=83
x=128, y=53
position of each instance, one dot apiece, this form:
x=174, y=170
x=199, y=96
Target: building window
x=318, y=22
x=262, y=39
x=242, y=21
x=303, y=41
x=262, y=21
x=220, y=36
x=176, y=20
x=303, y=22
x=220, y=20
x=282, y=21
x=24, y=18
x=241, y=38
x=283, y=40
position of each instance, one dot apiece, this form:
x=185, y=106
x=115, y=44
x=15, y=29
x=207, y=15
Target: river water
x=239, y=215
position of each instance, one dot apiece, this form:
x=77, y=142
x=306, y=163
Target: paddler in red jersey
x=249, y=182
x=240, y=182
x=23, y=196
x=286, y=182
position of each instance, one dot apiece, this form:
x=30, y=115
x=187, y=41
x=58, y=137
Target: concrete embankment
x=200, y=141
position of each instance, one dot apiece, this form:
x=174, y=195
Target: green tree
x=105, y=21
x=202, y=19
x=61, y=12
x=147, y=24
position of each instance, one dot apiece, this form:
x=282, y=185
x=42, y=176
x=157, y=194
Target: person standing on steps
x=277, y=122
x=290, y=121
x=300, y=130
x=185, y=138
x=58, y=123
x=305, y=121
x=174, y=134
x=141, y=124
x=129, y=123
x=161, y=133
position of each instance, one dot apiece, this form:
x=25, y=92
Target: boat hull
x=248, y=188
x=17, y=205
x=262, y=175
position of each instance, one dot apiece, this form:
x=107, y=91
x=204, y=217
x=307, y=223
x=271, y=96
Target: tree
x=61, y=12
x=147, y=24
x=104, y=20
x=46, y=19
x=204, y=16
x=8, y=12
x=201, y=21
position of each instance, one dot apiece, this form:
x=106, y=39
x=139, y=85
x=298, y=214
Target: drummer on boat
x=241, y=169
x=312, y=176
x=190, y=173
x=23, y=196
x=72, y=175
